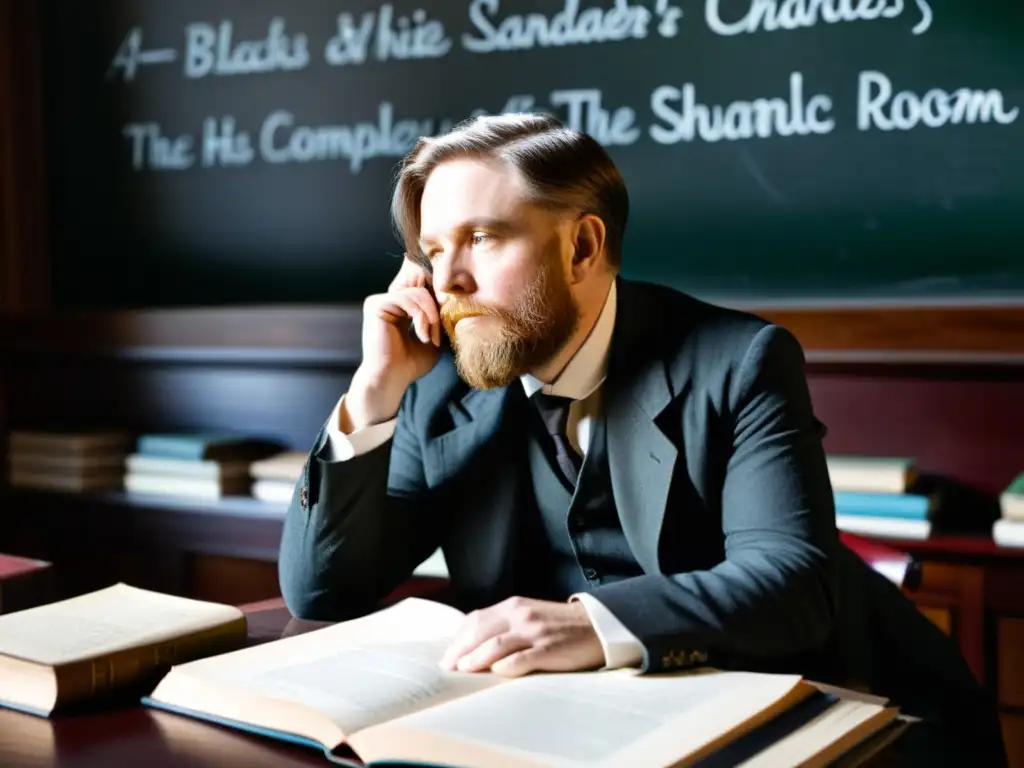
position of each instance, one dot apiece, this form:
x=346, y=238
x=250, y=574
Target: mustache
x=457, y=309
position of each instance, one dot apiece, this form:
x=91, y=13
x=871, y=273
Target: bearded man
x=618, y=474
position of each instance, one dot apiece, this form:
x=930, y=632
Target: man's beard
x=530, y=334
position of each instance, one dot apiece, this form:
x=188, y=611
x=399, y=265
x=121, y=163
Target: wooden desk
x=130, y=734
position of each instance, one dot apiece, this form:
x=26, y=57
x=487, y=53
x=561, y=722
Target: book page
x=99, y=623
x=356, y=674
x=601, y=718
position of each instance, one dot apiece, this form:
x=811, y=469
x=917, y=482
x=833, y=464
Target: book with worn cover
x=74, y=650
x=374, y=686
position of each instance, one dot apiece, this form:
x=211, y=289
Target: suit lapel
x=476, y=418
x=479, y=450
x=641, y=458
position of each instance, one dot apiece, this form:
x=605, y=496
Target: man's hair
x=563, y=169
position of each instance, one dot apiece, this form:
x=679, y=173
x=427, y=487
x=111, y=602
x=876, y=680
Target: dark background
x=924, y=214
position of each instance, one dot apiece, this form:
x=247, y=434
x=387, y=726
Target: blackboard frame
x=889, y=334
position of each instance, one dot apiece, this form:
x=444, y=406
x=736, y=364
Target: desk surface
x=128, y=735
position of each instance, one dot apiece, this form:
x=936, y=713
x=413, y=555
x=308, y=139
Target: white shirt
x=581, y=380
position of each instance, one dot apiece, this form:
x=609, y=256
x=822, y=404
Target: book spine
x=93, y=678
x=904, y=506
x=172, y=447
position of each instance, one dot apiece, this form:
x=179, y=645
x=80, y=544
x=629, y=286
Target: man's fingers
x=410, y=275
x=522, y=662
x=479, y=627
x=490, y=651
x=415, y=304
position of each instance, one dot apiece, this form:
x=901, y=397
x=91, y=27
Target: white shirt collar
x=585, y=372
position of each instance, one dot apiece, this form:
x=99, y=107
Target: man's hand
x=520, y=635
x=393, y=357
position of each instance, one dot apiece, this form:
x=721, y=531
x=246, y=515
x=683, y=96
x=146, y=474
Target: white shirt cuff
x=342, y=447
x=621, y=647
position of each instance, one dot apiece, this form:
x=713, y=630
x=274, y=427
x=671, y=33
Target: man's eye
x=479, y=238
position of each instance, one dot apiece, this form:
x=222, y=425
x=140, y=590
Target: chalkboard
x=215, y=152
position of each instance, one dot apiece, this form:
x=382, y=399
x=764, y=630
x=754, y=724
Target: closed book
x=85, y=647
x=190, y=487
x=273, y=491
x=873, y=474
x=100, y=480
x=69, y=443
x=202, y=446
x=286, y=466
x=885, y=527
x=201, y=469
x=374, y=685
x=1011, y=501
x=1008, y=533
x=65, y=463
x=907, y=506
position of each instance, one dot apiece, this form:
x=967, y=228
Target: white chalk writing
x=569, y=26
x=684, y=118
x=224, y=145
x=773, y=15
x=669, y=15
x=879, y=108
x=679, y=112
x=406, y=37
x=587, y=114
x=282, y=140
x=151, y=149
x=212, y=50
x=130, y=56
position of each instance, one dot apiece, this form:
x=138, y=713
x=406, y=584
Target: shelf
x=232, y=527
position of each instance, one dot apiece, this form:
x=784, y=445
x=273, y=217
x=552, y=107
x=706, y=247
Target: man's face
x=500, y=271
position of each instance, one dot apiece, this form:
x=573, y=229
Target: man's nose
x=450, y=275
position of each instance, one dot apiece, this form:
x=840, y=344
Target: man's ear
x=589, y=245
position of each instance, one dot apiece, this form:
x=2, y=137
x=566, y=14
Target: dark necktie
x=554, y=412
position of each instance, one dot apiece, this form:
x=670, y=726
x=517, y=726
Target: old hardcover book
x=374, y=686
x=87, y=646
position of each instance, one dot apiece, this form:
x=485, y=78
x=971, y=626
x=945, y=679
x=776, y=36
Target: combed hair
x=563, y=169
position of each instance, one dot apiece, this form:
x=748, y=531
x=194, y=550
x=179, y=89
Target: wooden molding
x=24, y=273
x=908, y=334
x=928, y=335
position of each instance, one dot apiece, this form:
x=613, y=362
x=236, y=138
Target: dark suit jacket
x=720, y=482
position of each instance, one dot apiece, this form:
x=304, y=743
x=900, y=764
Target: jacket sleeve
x=357, y=527
x=772, y=595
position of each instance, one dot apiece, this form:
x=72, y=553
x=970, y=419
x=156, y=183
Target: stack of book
x=1008, y=530
x=66, y=461
x=193, y=466
x=275, y=477
x=879, y=496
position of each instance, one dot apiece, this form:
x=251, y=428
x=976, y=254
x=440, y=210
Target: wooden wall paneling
x=24, y=276
x=963, y=422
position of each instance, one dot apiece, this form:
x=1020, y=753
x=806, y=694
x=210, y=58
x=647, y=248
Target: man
x=618, y=474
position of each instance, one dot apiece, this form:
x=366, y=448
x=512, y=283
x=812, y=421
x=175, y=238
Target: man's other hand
x=521, y=635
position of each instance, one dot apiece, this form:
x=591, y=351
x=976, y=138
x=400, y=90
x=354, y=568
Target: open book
x=76, y=649
x=374, y=685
